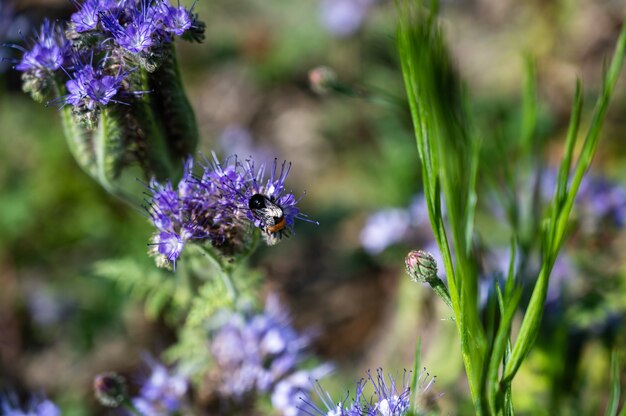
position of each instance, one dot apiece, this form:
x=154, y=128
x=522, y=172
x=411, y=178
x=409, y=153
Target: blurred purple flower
x=162, y=393
x=254, y=353
x=395, y=225
x=343, y=18
x=37, y=406
x=48, y=53
x=384, y=228
x=211, y=207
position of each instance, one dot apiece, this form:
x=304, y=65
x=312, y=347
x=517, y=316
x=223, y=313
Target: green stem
x=225, y=274
x=442, y=291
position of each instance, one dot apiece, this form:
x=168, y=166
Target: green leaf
x=611, y=408
x=561, y=208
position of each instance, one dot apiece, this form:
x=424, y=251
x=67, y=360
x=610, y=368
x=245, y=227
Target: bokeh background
x=61, y=323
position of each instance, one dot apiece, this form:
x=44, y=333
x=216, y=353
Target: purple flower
x=187, y=213
x=48, y=52
x=253, y=353
x=37, y=406
x=176, y=20
x=343, y=18
x=260, y=198
x=87, y=16
x=213, y=207
x=134, y=28
x=384, y=228
x=388, y=398
x=90, y=88
x=162, y=393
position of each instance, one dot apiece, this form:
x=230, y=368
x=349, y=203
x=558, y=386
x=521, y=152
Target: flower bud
x=421, y=267
x=110, y=389
x=322, y=79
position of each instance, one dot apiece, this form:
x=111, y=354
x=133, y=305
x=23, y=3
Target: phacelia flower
x=48, y=52
x=176, y=19
x=254, y=353
x=187, y=213
x=213, y=208
x=90, y=87
x=262, y=198
x=162, y=393
x=388, y=398
x=37, y=406
x=138, y=32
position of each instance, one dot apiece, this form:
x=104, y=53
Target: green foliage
x=449, y=156
x=449, y=152
x=611, y=409
x=157, y=288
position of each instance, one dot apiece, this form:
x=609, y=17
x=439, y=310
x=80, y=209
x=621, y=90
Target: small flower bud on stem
x=422, y=268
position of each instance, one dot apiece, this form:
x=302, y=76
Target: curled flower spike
x=213, y=208
x=48, y=54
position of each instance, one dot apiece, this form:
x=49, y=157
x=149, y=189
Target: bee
x=269, y=213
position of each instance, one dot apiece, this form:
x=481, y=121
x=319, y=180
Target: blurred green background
x=60, y=323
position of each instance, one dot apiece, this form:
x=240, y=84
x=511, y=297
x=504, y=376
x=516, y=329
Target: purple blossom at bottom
x=261, y=354
x=162, y=393
x=37, y=406
x=388, y=398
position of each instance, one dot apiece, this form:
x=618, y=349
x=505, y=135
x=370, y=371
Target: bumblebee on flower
x=217, y=208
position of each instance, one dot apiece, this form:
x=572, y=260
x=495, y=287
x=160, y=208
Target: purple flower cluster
x=104, y=42
x=214, y=207
x=37, y=406
x=388, y=398
x=162, y=393
x=261, y=354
